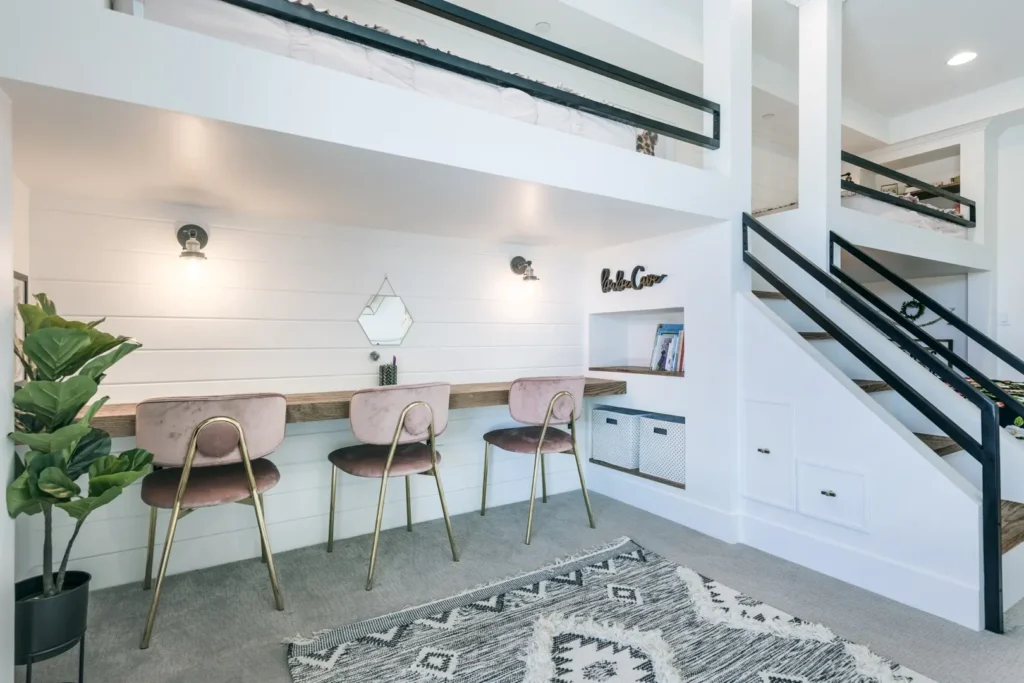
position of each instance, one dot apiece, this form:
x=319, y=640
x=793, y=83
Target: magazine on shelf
x=669, y=345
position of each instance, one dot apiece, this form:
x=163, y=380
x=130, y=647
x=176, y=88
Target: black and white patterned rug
x=617, y=614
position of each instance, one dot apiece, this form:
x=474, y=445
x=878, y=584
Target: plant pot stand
x=45, y=627
x=36, y=657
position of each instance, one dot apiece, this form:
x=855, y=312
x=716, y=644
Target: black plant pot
x=46, y=627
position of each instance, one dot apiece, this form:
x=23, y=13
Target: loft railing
x=309, y=17
x=919, y=207
x=985, y=450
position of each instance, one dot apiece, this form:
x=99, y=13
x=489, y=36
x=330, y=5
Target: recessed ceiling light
x=962, y=58
x=542, y=27
x=768, y=116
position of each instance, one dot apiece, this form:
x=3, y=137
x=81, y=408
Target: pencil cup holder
x=387, y=375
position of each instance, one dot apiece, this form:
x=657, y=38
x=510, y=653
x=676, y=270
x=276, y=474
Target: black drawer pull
x=661, y=430
x=829, y=494
x=611, y=420
x=766, y=451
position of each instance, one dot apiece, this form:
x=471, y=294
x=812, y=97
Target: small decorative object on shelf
x=64, y=362
x=646, y=142
x=388, y=373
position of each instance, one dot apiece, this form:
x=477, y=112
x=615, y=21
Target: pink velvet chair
x=398, y=427
x=540, y=402
x=208, y=451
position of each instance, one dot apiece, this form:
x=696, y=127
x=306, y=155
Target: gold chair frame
x=433, y=471
x=538, y=462
x=255, y=500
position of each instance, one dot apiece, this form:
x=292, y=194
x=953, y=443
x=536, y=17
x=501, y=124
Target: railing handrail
x=976, y=335
x=310, y=17
x=919, y=207
x=985, y=451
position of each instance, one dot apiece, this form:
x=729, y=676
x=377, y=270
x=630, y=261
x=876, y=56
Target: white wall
x=276, y=311
x=22, y=196
x=7, y=526
x=950, y=291
x=774, y=176
x=1010, y=275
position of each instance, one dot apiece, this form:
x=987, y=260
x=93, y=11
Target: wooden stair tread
x=763, y=294
x=816, y=336
x=1013, y=525
x=872, y=386
x=942, y=445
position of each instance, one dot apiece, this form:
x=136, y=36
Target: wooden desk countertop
x=119, y=419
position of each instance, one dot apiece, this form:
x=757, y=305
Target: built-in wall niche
x=938, y=167
x=625, y=341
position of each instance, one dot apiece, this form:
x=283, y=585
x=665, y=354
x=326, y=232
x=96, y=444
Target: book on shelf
x=669, y=347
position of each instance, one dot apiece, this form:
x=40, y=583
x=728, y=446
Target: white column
x=728, y=80
x=821, y=116
x=6, y=384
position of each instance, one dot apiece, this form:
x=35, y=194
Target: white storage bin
x=614, y=436
x=663, y=447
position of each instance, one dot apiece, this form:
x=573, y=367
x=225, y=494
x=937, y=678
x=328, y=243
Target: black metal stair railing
x=310, y=17
x=1010, y=404
x=985, y=450
x=867, y=165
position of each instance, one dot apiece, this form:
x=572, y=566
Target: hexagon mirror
x=385, y=319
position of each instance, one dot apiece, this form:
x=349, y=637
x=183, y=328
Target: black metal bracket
x=894, y=200
x=309, y=17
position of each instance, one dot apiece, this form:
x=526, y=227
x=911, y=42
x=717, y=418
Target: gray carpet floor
x=218, y=625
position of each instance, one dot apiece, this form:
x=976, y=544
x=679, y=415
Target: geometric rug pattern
x=615, y=614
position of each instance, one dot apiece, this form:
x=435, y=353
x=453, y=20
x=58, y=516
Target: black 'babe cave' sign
x=636, y=281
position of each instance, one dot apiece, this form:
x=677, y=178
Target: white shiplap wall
x=275, y=310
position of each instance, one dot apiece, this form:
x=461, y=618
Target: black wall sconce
x=521, y=266
x=193, y=239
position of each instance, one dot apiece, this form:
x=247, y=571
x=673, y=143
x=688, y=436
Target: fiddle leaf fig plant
x=64, y=362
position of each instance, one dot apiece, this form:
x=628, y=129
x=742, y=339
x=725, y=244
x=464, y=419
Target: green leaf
x=119, y=480
x=91, y=412
x=82, y=507
x=19, y=466
x=94, y=323
x=54, y=350
x=55, y=404
x=63, y=438
x=98, y=366
x=99, y=343
x=57, y=321
x=44, y=303
x=36, y=462
x=32, y=316
x=55, y=481
x=1018, y=421
x=119, y=471
x=91, y=447
x=20, y=500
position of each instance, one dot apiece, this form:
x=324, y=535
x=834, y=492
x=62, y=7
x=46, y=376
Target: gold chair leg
x=533, y=496
x=168, y=541
x=583, y=484
x=330, y=518
x=543, y=480
x=408, y=503
x=147, y=581
x=263, y=548
x=376, y=532
x=447, y=519
x=483, y=498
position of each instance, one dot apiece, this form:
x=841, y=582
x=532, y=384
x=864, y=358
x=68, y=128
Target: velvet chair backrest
x=374, y=413
x=164, y=426
x=528, y=399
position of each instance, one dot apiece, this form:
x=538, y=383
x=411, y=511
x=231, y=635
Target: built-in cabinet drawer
x=832, y=495
x=768, y=460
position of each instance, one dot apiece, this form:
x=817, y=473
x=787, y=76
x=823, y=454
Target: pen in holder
x=387, y=374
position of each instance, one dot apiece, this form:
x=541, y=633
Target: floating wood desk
x=119, y=419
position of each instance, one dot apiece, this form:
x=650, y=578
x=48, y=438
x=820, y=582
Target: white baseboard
x=1013, y=577
x=928, y=592
x=663, y=501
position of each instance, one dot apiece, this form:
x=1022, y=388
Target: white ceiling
x=66, y=143
x=895, y=51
